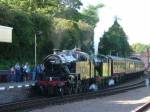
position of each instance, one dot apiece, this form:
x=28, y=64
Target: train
x=74, y=71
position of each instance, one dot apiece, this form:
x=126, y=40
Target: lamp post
x=35, y=46
x=35, y=50
x=147, y=57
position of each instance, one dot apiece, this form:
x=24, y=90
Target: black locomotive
x=72, y=71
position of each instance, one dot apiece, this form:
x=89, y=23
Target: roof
x=5, y=34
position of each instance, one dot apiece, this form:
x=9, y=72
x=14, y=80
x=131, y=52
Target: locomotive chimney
x=56, y=51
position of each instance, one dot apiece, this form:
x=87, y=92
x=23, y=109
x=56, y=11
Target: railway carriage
x=73, y=71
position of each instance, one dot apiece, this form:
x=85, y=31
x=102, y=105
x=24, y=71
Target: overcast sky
x=134, y=18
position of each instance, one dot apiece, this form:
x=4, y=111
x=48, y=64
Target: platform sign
x=5, y=34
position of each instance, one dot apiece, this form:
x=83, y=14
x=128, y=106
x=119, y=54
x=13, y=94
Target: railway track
x=38, y=102
x=143, y=108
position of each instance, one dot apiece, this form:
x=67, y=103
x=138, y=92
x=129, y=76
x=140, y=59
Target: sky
x=134, y=18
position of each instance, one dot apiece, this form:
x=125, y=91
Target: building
x=5, y=34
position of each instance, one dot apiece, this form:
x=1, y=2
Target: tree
x=70, y=34
x=114, y=41
x=41, y=6
x=75, y=4
x=58, y=20
x=50, y=7
x=89, y=15
x=25, y=25
x=68, y=13
x=139, y=48
x=86, y=37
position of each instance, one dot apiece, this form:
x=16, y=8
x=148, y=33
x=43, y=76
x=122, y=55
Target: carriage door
x=109, y=67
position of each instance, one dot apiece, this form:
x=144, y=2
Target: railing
x=5, y=72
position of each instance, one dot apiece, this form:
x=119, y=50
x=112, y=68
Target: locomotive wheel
x=70, y=89
x=50, y=91
x=60, y=91
x=67, y=90
x=41, y=90
x=36, y=90
x=80, y=89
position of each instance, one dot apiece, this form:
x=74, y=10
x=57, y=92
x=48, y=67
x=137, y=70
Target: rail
x=143, y=108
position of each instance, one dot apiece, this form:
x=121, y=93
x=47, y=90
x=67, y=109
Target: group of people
x=25, y=72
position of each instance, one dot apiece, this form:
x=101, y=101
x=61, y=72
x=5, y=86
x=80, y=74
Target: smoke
x=105, y=21
x=96, y=38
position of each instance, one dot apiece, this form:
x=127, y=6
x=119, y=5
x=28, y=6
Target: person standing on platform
x=12, y=74
x=22, y=73
x=27, y=71
x=147, y=82
x=17, y=72
x=42, y=68
x=34, y=71
x=38, y=74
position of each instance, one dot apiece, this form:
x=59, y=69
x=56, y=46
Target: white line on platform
x=2, y=88
x=11, y=87
x=33, y=84
x=19, y=86
x=26, y=85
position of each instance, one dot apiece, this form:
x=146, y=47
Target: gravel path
x=123, y=102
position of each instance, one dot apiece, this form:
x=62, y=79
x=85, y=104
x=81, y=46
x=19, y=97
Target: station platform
x=16, y=85
x=15, y=91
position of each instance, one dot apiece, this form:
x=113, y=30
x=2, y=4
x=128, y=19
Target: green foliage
x=43, y=24
x=57, y=20
x=69, y=13
x=86, y=33
x=6, y=15
x=114, y=41
x=24, y=27
x=90, y=15
x=140, y=48
x=50, y=7
x=72, y=3
x=72, y=34
x=67, y=9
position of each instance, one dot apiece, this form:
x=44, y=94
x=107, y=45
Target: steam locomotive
x=73, y=71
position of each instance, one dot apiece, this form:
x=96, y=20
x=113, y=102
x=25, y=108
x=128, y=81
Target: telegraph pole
x=147, y=58
x=38, y=33
x=35, y=45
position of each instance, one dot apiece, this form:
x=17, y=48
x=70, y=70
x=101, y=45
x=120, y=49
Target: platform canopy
x=5, y=34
